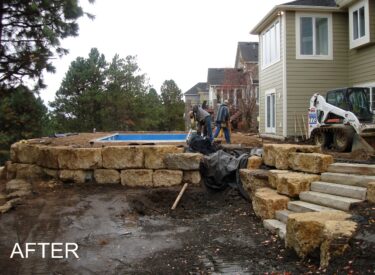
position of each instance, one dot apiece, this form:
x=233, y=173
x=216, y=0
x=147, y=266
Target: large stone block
x=310, y=163
x=154, y=155
x=123, y=157
x=137, y=177
x=166, y=178
x=267, y=201
x=28, y=171
x=10, y=170
x=76, y=176
x=307, y=232
x=252, y=180
x=337, y=235
x=104, y=176
x=192, y=177
x=49, y=156
x=291, y=183
x=254, y=162
x=17, y=185
x=80, y=158
x=24, y=153
x=183, y=161
x=23, y=171
x=371, y=192
x=276, y=155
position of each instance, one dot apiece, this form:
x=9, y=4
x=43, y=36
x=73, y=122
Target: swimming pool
x=149, y=137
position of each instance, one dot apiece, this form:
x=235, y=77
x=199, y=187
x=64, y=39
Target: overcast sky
x=172, y=39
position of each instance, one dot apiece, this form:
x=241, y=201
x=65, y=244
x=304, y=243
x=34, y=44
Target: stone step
x=352, y=168
x=275, y=226
x=347, y=179
x=349, y=191
x=302, y=206
x=282, y=215
x=337, y=202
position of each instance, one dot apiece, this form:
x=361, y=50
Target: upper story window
x=359, y=28
x=271, y=45
x=313, y=36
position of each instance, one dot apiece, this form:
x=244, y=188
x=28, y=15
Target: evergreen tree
x=22, y=116
x=30, y=35
x=124, y=95
x=173, y=106
x=78, y=102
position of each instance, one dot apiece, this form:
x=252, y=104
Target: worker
x=203, y=119
x=222, y=121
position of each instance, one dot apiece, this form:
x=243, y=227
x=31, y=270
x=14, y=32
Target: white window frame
x=329, y=56
x=272, y=128
x=366, y=38
x=273, y=56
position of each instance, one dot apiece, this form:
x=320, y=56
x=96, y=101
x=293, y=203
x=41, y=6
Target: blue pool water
x=145, y=138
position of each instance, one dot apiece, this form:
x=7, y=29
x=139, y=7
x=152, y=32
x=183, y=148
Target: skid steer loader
x=342, y=121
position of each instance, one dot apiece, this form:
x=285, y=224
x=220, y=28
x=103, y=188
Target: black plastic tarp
x=220, y=170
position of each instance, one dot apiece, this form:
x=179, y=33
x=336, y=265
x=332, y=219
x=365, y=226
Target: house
x=196, y=94
x=226, y=84
x=247, y=59
x=309, y=46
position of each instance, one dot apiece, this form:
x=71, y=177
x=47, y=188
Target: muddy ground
x=133, y=231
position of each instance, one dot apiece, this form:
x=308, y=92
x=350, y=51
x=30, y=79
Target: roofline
x=276, y=11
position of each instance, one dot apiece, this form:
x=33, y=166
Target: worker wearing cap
x=204, y=121
x=222, y=121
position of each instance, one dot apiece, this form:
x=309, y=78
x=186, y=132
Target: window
x=359, y=24
x=270, y=111
x=271, y=45
x=314, y=36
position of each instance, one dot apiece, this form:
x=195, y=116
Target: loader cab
x=355, y=100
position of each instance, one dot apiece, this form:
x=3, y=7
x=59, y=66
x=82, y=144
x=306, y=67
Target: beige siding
x=271, y=78
x=305, y=77
x=362, y=60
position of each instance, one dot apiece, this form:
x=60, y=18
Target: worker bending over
x=203, y=118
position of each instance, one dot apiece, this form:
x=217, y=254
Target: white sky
x=172, y=39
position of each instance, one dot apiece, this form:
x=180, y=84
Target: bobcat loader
x=342, y=121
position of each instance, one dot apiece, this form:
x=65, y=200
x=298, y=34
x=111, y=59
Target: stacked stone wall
x=132, y=166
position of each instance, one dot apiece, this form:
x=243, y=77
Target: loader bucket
x=364, y=143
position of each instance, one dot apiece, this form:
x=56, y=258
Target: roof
x=248, y=51
x=226, y=76
x=298, y=5
x=315, y=3
x=199, y=87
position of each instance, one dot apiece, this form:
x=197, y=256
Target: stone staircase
x=341, y=188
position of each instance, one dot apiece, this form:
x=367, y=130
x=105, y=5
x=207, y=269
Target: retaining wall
x=148, y=166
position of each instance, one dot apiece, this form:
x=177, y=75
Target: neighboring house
x=309, y=46
x=226, y=84
x=247, y=59
x=197, y=94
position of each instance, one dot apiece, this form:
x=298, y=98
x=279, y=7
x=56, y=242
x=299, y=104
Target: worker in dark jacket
x=204, y=121
x=222, y=121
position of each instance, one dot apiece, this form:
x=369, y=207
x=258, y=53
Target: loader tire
x=321, y=138
x=342, y=140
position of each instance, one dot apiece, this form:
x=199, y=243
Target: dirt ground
x=133, y=231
